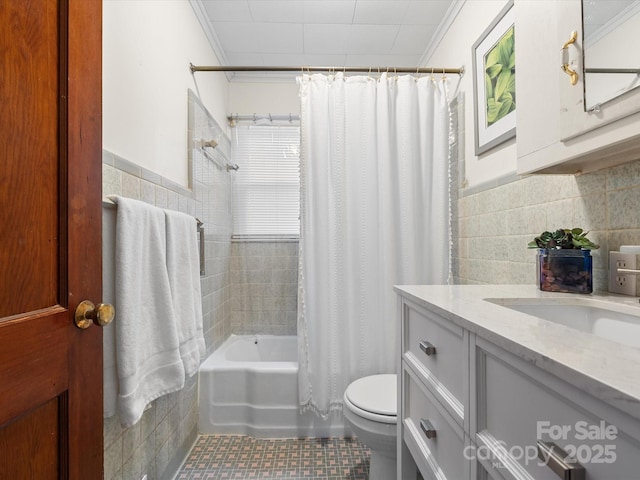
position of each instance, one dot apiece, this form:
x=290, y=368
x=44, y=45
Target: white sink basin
x=620, y=323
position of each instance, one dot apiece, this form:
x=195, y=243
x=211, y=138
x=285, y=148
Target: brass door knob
x=87, y=314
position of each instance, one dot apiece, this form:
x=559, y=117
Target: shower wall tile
x=264, y=283
x=157, y=444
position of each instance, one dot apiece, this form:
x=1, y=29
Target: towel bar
x=201, y=245
x=108, y=203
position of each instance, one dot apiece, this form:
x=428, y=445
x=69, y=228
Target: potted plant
x=564, y=261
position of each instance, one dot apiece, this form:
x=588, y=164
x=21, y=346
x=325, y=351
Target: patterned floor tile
x=235, y=457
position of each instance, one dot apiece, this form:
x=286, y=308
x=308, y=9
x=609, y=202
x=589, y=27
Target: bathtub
x=249, y=386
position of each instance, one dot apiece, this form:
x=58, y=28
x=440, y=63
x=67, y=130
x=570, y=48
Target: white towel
x=183, y=265
x=110, y=376
x=147, y=347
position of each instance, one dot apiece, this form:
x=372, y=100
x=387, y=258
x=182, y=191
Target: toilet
x=370, y=409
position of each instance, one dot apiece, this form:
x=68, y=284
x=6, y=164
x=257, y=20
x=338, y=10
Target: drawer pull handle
x=427, y=348
x=427, y=428
x=560, y=462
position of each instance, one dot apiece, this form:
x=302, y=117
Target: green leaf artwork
x=500, y=78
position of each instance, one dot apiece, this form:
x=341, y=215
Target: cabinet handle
x=560, y=462
x=573, y=75
x=427, y=348
x=427, y=428
x=571, y=41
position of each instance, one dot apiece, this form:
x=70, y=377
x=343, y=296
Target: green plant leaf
x=505, y=79
x=488, y=85
x=564, y=238
x=511, y=85
x=505, y=46
x=494, y=70
x=506, y=105
x=492, y=58
x=493, y=108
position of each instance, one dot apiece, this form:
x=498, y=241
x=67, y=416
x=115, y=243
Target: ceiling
x=339, y=33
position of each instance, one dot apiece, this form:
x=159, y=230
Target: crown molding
x=209, y=31
x=442, y=30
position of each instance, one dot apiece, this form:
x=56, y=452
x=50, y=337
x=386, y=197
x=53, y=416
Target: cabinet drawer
x=437, y=351
x=441, y=454
x=519, y=405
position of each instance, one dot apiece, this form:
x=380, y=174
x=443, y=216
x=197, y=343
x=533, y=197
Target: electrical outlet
x=624, y=284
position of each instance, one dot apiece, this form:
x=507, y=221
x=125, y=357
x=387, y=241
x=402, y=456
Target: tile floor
x=215, y=457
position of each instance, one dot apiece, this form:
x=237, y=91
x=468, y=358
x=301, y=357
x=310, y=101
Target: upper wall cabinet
x=578, y=108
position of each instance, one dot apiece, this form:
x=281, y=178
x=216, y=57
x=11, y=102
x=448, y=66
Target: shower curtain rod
x=301, y=69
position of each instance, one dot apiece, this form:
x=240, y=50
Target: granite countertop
x=606, y=369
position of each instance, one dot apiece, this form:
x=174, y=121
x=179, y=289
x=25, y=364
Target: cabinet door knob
x=560, y=462
x=427, y=348
x=427, y=428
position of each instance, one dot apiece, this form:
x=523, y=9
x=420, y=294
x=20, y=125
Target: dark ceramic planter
x=569, y=271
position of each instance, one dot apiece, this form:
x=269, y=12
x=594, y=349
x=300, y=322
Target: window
x=266, y=188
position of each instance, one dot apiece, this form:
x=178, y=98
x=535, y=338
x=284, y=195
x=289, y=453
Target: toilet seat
x=373, y=397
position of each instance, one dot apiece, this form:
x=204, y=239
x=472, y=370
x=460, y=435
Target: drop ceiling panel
x=371, y=38
x=276, y=11
x=227, y=10
x=240, y=37
x=324, y=32
x=426, y=12
x=380, y=12
x=326, y=39
x=299, y=60
x=328, y=11
x=411, y=38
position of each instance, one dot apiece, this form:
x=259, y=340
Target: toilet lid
x=375, y=394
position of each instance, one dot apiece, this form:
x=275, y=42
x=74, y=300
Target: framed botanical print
x=494, y=82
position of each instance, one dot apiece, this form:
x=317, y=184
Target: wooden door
x=50, y=238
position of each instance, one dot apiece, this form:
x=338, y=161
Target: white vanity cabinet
x=472, y=410
x=518, y=408
x=555, y=133
x=434, y=391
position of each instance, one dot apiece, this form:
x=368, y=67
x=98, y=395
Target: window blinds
x=266, y=188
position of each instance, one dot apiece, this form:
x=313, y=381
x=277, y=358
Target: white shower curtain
x=374, y=213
